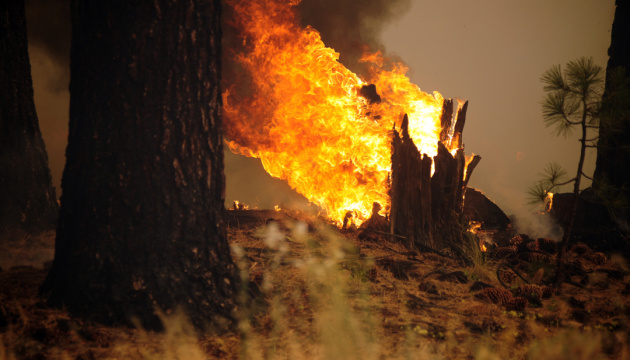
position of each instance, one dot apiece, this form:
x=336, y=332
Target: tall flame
x=303, y=115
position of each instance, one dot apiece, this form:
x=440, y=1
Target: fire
x=237, y=205
x=474, y=226
x=302, y=113
x=548, y=201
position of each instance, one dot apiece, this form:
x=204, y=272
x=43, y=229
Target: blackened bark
x=410, y=214
x=612, y=174
x=27, y=197
x=426, y=208
x=142, y=226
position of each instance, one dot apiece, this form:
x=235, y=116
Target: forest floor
x=316, y=292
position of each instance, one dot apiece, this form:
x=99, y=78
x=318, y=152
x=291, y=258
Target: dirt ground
x=316, y=292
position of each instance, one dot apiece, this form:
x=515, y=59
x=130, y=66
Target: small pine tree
x=573, y=100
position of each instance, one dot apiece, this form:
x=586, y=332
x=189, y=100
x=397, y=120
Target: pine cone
x=533, y=293
x=581, y=249
x=495, y=295
x=517, y=304
x=507, y=276
x=596, y=258
x=533, y=246
x=519, y=239
x=502, y=252
x=538, y=258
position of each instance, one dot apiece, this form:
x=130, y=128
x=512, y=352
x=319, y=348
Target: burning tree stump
x=426, y=209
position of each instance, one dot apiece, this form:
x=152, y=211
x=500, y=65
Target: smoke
x=249, y=183
x=537, y=225
x=351, y=27
x=531, y=221
x=49, y=26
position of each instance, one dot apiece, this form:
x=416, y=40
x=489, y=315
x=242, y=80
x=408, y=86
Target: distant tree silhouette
x=27, y=197
x=141, y=226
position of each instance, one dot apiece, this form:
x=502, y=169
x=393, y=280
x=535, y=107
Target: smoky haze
x=488, y=51
x=49, y=27
x=351, y=27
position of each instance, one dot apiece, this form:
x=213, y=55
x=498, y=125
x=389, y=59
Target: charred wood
x=426, y=208
x=478, y=207
x=370, y=94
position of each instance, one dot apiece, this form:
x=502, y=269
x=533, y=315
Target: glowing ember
x=469, y=159
x=304, y=116
x=239, y=206
x=548, y=201
x=474, y=226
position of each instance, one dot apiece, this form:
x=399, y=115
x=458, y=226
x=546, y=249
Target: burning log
x=427, y=194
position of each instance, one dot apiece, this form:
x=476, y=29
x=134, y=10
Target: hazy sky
x=491, y=52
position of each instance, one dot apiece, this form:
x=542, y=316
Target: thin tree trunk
x=142, y=218
x=27, y=197
x=560, y=272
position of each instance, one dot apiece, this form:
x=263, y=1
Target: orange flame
x=302, y=114
x=474, y=226
x=237, y=205
x=548, y=201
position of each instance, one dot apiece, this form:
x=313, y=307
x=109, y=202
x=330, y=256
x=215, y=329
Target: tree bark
x=426, y=208
x=27, y=197
x=612, y=175
x=141, y=227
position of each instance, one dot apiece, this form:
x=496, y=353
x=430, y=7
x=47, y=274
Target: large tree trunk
x=426, y=208
x=612, y=174
x=141, y=226
x=27, y=197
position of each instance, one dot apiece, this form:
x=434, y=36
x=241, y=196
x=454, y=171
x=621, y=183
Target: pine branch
x=567, y=182
x=554, y=80
x=583, y=75
x=552, y=174
x=558, y=110
x=537, y=194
